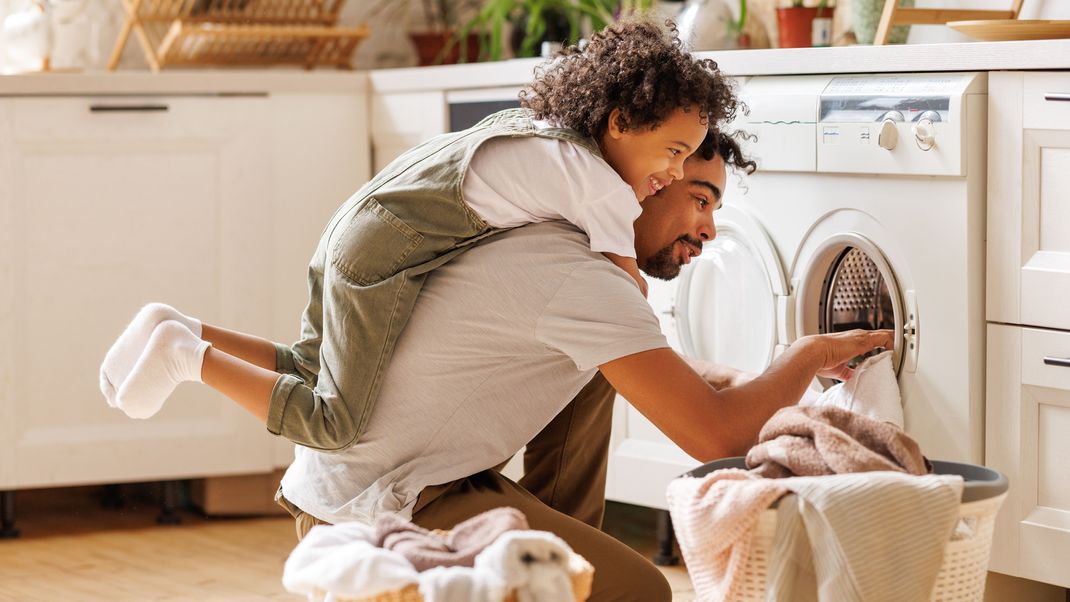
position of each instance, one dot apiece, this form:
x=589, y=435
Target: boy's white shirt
x=515, y=181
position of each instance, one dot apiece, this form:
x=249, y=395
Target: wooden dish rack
x=238, y=32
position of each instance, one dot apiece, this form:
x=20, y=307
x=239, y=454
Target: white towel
x=873, y=537
x=873, y=391
x=461, y=584
x=342, y=560
x=534, y=563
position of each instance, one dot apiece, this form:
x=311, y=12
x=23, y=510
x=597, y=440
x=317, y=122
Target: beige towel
x=459, y=547
x=822, y=440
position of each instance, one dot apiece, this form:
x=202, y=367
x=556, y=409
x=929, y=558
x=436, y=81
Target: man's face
x=679, y=218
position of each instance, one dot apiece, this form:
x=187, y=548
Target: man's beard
x=664, y=265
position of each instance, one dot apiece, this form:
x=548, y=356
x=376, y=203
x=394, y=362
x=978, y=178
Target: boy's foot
x=126, y=350
x=173, y=355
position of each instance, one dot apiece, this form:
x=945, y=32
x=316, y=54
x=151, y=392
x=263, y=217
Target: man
x=502, y=338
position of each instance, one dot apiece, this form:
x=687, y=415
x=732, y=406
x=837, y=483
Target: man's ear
x=614, y=128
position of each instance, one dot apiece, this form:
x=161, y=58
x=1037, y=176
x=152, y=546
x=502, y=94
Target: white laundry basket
x=965, y=566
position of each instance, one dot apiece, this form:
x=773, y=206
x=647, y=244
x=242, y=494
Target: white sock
x=173, y=355
x=126, y=350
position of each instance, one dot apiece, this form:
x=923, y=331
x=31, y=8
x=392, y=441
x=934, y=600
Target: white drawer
x=1042, y=107
x=1046, y=358
x=110, y=118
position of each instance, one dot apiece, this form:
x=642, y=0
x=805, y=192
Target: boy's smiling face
x=650, y=159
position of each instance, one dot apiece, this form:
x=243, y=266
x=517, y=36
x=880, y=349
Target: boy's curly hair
x=636, y=66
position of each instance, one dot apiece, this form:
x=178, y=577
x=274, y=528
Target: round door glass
x=855, y=295
x=727, y=310
x=847, y=284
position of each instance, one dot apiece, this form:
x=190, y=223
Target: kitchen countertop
x=971, y=56
x=186, y=82
x=976, y=56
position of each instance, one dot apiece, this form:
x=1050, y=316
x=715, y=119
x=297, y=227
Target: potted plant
x=537, y=21
x=795, y=23
x=439, y=43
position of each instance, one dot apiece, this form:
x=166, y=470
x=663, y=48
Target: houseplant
x=532, y=18
x=795, y=23
x=437, y=42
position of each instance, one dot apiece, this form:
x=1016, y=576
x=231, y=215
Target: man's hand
x=841, y=347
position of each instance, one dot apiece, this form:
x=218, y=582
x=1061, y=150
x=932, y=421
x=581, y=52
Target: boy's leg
x=252, y=349
x=620, y=573
x=565, y=464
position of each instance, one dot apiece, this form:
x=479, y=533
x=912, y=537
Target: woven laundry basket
x=582, y=577
x=965, y=565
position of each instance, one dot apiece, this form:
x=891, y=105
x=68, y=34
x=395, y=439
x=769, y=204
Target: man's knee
x=630, y=579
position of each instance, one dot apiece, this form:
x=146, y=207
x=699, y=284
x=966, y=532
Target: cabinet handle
x=128, y=108
x=1057, y=97
x=1057, y=361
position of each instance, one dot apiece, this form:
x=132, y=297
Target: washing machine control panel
x=896, y=124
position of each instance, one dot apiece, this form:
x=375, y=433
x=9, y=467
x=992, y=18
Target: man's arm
x=717, y=375
x=710, y=424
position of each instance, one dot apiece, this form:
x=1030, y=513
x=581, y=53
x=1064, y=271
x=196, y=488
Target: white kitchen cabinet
x=400, y=121
x=210, y=203
x=1028, y=439
x=1029, y=199
x=1028, y=372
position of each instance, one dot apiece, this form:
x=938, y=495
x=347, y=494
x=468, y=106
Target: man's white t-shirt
x=501, y=339
x=515, y=181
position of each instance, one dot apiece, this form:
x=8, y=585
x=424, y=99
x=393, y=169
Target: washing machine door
x=842, y=281
x=728, y=298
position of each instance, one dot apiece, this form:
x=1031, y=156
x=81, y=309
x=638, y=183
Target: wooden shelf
x=243, y=32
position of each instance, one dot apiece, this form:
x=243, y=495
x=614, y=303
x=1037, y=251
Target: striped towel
x=875, y=536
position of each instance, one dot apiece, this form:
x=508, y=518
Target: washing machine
x=867, y=211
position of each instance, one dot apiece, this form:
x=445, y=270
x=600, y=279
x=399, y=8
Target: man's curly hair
x=636, y=66
x=725, y=145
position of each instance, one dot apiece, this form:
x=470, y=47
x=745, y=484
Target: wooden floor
x=73, y=549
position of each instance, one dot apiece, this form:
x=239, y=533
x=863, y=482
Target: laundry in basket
x=892, y=533
x=343, y=564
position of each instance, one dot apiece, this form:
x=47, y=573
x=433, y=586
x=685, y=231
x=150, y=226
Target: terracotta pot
x=429, y=46
x=795, y=24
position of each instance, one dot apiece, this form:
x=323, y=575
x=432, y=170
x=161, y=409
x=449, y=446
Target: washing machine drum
x=847, y=283
x=855, y=294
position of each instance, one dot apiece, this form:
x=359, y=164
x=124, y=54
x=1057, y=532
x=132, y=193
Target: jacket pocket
x=374, y=245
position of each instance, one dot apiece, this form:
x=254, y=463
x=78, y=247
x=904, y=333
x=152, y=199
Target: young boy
x=603, y=128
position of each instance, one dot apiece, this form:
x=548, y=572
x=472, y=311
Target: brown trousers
x=562, y=491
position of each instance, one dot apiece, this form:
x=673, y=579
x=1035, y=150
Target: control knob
x=889, y=133
x=925, y=131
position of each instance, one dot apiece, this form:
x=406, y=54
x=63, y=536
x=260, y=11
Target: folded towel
x=426, y=550
x=873, y=391
x=533, y=563
x=821, y=440
x=342, y=560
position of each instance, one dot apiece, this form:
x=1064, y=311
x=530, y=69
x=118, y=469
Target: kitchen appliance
x=867, y=211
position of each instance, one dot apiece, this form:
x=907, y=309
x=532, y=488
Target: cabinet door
x=108, y=204
x=1028, y=439
x=1029, y=199
x=322, y=155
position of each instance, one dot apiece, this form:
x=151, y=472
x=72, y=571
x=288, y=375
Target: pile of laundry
x=488, y=558
x=858, y=516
